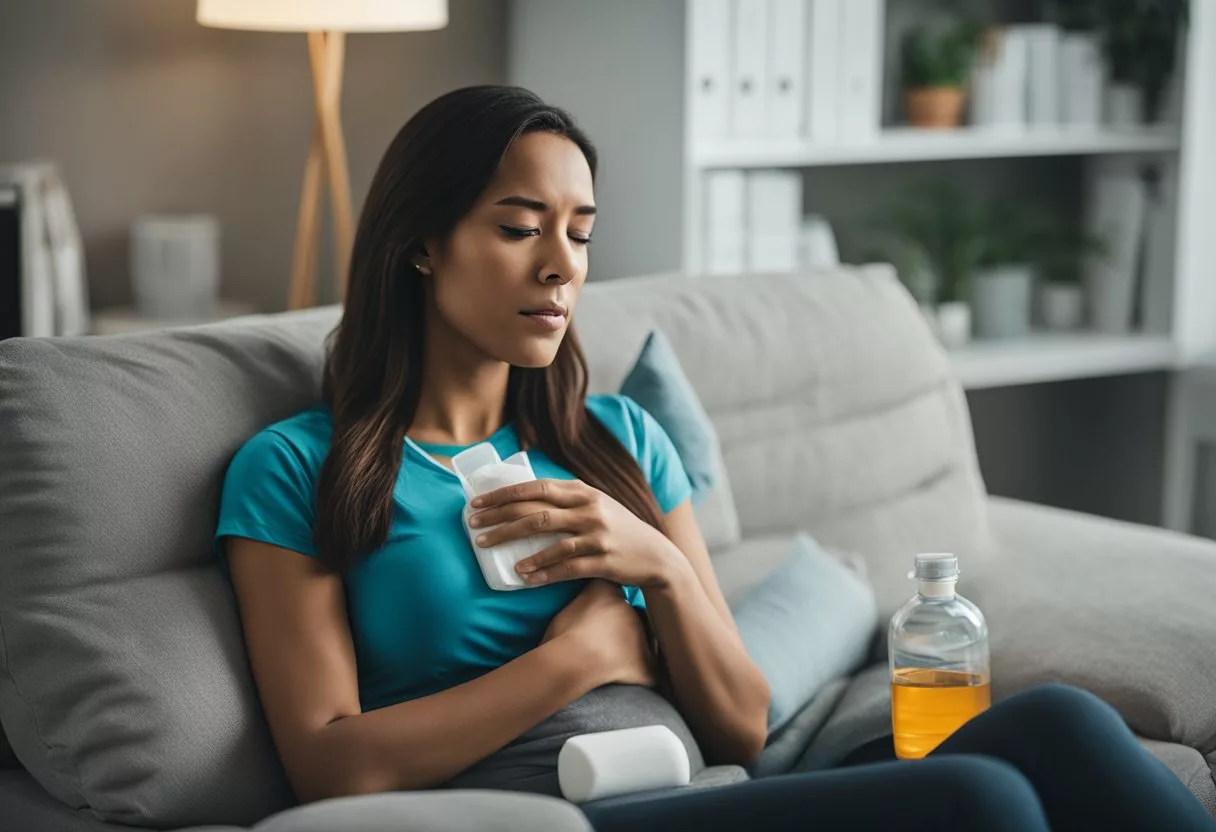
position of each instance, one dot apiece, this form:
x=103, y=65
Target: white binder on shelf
x=725, y=247
x=1081, y=76
x=786, y=67
x=860, y=69
x=709, y=75
x=749, y=69
x=1116, y=213
x=1042, y=80
x=774, y=220
x=823, y=70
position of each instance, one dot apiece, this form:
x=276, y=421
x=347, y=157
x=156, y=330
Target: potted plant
x=932, y=233
x=1003, y=284
x=935, y=65
x=1061, y=259
x=1140, y=41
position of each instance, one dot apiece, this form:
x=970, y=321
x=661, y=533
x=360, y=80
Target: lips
x=552, y=311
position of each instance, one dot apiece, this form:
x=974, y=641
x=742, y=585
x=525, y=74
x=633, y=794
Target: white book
x=709, y=68
x=859, y=68
x=749, y=69
x=786, y=67
x=823, y=67
x=67, y=259
x=1080, y=82
x=1009, y=81
x=774, y=200
x=1160, y=236
x=1116, y=214
x=725, y=221
x=774, y=220
x=1043, y=89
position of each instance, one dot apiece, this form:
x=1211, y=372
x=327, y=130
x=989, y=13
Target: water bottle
x=938, y=649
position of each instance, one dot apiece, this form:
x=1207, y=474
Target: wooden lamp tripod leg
x=328, y=149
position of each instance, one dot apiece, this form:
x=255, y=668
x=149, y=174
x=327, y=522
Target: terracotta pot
x=936, y=107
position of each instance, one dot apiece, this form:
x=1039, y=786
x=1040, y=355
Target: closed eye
x=519, y=233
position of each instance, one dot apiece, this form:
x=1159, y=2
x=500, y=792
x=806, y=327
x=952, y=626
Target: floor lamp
x=326, y=22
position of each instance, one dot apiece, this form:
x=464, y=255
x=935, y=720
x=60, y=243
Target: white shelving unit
x=623, y=68
x=913, y=145
x=1052, y=357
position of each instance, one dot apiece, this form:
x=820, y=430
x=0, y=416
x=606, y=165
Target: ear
x=422, y=262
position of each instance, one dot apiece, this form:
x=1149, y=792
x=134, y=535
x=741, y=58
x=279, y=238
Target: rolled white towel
x=610, y=763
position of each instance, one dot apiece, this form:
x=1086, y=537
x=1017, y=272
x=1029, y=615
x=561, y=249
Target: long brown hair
x=430, y=177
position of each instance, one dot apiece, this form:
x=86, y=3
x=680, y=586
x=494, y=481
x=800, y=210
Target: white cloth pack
x=611, y=763
x=480, y=471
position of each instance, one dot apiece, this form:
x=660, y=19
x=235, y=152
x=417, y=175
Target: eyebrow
x=541, y=207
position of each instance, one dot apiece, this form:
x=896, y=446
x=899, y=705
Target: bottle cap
x=935, y=566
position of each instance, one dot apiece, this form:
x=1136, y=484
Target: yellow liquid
x=929, y=705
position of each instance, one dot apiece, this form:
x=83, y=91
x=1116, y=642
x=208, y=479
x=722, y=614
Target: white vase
x=1001, y=298
x=1124, y=105
x=954, y=324
x=1061, y=306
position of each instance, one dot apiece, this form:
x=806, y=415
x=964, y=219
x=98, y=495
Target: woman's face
x=508, y=276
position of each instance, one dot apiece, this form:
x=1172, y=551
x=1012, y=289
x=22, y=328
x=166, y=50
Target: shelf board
x=905, y=144
x=1057, y=357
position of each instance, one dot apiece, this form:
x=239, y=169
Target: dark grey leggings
x=1054, y=757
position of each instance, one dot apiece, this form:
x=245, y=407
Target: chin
x=534, y=356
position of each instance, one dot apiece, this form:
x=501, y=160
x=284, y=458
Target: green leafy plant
x=1075, y=15
x=1140, y=39
x=938, y=58
x=933, y=227
x=1064, y=249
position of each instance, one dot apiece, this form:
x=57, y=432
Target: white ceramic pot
x=1124, y=105
x=1001, y=299
x=954, y=324
x=1061, y=306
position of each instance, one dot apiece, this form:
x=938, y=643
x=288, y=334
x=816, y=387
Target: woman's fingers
x=488, y=517
x=564, y=549
x=561, y=493
x=546, y=520
x=571, y=569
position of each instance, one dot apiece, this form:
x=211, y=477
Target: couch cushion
x=833, y=402
x=1122, y=610
x=657, y=382
x=810, y=621
x=7, y=758
x=124, y=684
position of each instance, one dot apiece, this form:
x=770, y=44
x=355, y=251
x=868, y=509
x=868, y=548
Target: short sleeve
x=658, y=458
x=269, y=495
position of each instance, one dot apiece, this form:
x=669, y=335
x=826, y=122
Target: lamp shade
x=325, y=15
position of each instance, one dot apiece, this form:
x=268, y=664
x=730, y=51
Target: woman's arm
x=303, y=660
x=718, y=688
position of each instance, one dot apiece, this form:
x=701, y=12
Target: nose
x=560, y=263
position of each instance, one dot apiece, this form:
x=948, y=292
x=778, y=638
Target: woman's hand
x=605, y=539
x=602, y=625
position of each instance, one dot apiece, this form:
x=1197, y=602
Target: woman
x=382, y=659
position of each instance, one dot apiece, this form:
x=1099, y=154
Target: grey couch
x=124, y=689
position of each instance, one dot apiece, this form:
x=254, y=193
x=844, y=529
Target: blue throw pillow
x=810, y=621
x=658, y=384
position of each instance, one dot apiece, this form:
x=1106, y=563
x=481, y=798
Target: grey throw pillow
x=808, y=622
x=124, y=682
x=658, y=384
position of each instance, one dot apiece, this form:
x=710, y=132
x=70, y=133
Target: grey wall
x=145, y=111
x=625, y=85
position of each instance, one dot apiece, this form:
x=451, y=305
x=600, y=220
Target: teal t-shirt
x=421, y=615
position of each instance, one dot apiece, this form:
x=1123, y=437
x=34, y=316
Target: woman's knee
x=1061, y=707
x=988, y=789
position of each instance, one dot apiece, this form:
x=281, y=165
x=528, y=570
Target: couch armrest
x=1126, y=611
x=437, y=811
